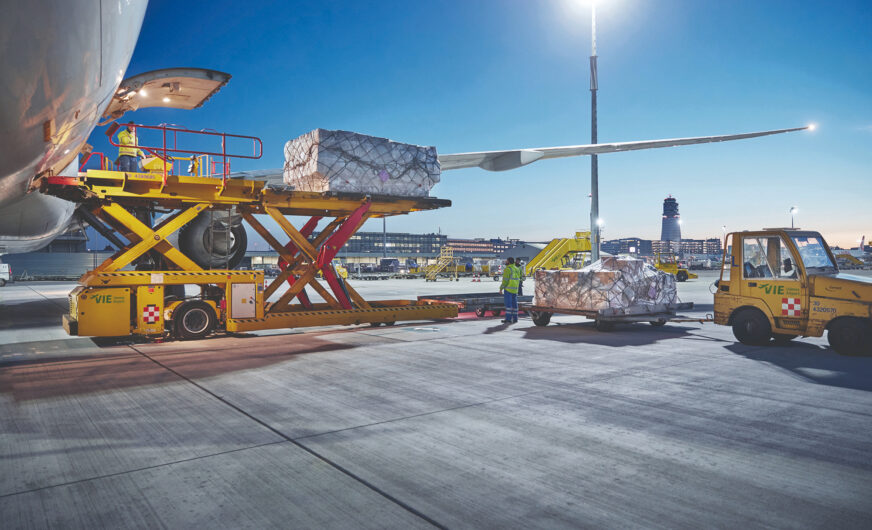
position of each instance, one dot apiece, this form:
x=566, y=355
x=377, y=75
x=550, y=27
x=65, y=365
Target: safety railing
x=105, y=163
x=174, y=140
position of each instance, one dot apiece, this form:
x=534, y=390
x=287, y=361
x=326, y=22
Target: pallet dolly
x=112, y=302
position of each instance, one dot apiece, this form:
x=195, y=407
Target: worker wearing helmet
x=128, y=152
x=511, y=281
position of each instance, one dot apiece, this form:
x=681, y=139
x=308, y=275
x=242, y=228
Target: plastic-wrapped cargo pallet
x=325, y=160
x=608, y=283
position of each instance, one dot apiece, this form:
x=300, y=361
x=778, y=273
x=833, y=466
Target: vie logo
x=108, y=299
x=772, y=289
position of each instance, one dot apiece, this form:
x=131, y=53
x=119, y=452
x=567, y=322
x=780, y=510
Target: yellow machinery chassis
x=111, y=302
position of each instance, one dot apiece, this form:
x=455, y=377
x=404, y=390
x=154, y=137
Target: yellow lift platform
x=669, y=264
x=445, y=262
x=559, y=253
x=111, y=302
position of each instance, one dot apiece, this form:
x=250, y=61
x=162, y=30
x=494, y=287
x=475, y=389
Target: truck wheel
x=2, y=282
x=658, y=323
x=752, y=327
x=480, y=312
x=496, y=312
x=850, y=336
x=782, y=338
x=681, y=276
x=193, y=320
x=540, y=318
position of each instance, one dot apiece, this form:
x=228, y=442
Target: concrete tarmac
x=456, y=424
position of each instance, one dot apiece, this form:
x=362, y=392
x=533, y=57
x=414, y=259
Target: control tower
x=671, y=230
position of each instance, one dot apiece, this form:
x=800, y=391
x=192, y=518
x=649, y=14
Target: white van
x=5, y=273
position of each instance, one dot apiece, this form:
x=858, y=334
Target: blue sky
x=499, y=74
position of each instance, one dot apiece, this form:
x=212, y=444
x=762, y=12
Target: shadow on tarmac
x=128, y=366
x=34, y=314
x=635, y=334
x=814, y=363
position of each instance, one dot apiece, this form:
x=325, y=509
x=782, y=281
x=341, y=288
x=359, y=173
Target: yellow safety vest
x=511, y=279
x=127, y=138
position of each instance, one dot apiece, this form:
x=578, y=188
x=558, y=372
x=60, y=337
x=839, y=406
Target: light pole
x=594, y=169
x=793, y=211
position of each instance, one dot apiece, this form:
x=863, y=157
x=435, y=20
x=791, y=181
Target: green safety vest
x=127, y=138
x=511, y=279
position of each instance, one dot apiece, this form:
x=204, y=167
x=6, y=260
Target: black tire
x=480, y=312
x=375, y=324
x=496, y=312
x=850, y=336
x=194, y=320
x=782, y=338
x=681, y=276
x=195, y=241
x=2, y=282
x=390, y=323
x=658, y=323
x=540, y=318
x=750, y=326
x=602, y=325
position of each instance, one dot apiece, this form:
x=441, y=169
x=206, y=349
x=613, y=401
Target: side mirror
x=788, y=265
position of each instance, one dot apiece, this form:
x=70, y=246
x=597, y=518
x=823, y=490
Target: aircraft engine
x=214, y=240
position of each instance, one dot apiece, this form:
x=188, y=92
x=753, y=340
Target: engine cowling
x=214, y=240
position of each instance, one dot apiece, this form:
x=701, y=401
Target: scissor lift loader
x=111, y=301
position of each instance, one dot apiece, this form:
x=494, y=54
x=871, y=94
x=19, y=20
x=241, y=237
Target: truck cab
x=781, y=283
x=5, y=273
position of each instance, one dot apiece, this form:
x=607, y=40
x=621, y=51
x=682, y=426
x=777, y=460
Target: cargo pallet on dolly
x=606, y=318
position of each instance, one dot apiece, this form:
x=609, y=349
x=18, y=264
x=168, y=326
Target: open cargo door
x=177, y=88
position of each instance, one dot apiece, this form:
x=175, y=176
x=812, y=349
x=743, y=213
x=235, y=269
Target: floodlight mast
x=594, y=167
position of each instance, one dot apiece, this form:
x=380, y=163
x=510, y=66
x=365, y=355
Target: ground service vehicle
x=560, y=253
x=5, y=273
x=780, y=283
x=671, y=265
x=151, y=300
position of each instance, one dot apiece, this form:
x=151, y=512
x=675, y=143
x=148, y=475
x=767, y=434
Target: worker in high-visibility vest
x=128, y=150
x=511, y=281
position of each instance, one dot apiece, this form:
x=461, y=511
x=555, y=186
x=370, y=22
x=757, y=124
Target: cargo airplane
x=58, y=86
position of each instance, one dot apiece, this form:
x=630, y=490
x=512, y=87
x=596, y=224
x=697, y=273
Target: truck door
x=770, y=274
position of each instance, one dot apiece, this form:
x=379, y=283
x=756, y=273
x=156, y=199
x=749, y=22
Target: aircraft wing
x=177, y=88
x=504, y=160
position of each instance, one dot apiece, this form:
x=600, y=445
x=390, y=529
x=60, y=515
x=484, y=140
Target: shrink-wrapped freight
x=608, y=283
x=325, y=160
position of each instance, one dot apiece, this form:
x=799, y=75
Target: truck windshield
x=813, y=252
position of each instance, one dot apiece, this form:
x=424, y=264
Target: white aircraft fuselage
x=61, y=63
